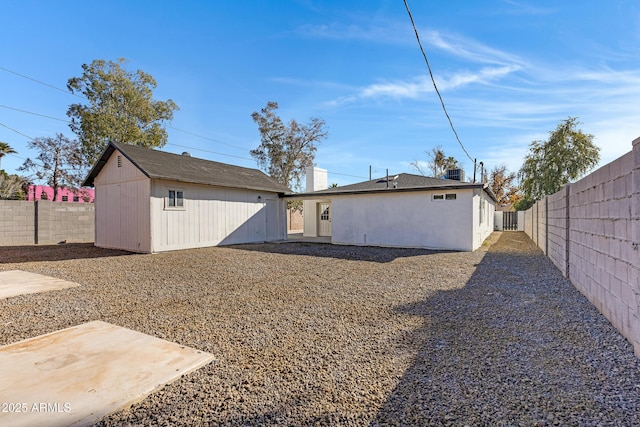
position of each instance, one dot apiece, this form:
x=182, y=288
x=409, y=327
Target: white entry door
x=324, y=219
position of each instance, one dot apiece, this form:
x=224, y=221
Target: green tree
x=567, y=155
x=120, y=108
x=437, y=165
x=286, y=150
x=5, y=149
x=59, y=163
x=503, y=184
x=12, y=186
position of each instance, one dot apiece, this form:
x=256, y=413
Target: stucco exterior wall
x=36, y=192
x=483, y=217
x=214, y=216
x=316, y=179
x=408, y=219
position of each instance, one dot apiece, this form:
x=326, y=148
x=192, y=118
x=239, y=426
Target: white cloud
x=471, y=50
x=386, y=32
x=523, y=8
x=418, y=86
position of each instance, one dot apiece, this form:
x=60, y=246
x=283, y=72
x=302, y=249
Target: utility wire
x=168, y=143
x=434, y=81
x=207, y=138
x=18, y=132
x=34, y=114
x=174, y=128
x=41, y=82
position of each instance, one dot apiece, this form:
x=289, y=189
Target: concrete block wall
x=65, y=222
x=541, y=229
x=557, y=229
x=601, y=239
x=17, y=225
x=45, y=222
x=295, y=220
x=592, y=234
x=529, y=220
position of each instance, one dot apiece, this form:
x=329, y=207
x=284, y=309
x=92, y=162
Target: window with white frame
x=175, y=199
x=447, y=196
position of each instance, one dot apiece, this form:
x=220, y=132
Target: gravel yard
x=314, y=334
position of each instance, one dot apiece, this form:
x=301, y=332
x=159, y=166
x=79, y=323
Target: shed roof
x=174, y=167
x=399, y=183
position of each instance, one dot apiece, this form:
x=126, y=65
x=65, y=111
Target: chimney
x=316, y=179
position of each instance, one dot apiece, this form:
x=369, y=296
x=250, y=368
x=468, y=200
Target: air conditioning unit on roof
x=455, y=174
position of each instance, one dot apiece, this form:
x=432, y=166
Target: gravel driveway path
x=336, y=335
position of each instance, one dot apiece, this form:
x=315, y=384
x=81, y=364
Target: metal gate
x=510, y=221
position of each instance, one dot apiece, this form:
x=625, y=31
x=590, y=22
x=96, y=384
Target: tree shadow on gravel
x=517, y=345
x=62, y=252
x=344, y=252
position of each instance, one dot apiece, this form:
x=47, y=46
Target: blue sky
x=509, y=71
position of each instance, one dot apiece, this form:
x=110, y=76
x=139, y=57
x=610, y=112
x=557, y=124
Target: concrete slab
x=78, y=375
x=18, y=282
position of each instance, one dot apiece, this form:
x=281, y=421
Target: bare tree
x=286, y=150
x=59, y=163
x=437, y=165
x=503, y=184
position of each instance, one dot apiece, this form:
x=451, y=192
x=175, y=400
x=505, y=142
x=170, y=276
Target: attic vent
x=186, y=154
x=119, y=161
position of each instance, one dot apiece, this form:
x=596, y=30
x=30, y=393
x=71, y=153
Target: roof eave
x=215, y=184
x=321, y=193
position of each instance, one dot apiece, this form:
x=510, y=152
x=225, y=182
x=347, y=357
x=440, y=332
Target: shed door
x=324, y=219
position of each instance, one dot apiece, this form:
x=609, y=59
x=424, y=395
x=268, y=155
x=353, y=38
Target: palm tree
x=5, y=149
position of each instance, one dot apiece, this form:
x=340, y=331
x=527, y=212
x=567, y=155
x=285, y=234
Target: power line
x=208, y=151
x=434, y=81
x=41, y=82
x=35, y=114
x=174, y=128
x=207, y=138
x=16, y=131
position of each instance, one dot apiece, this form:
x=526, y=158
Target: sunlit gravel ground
x=315, y=334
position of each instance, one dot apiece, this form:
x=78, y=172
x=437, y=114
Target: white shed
x=151, y=201
x=404, y=210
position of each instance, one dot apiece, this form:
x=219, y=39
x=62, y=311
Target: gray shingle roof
x=404, y=182
x=174, y=167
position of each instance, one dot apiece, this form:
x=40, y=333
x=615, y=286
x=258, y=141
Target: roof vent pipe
x=186, y=154
x=387, y=178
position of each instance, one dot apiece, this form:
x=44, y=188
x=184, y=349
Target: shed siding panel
x=111, y=173
x=122, y=209
x=211, y=216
